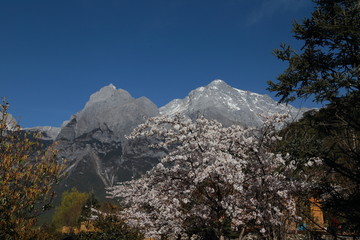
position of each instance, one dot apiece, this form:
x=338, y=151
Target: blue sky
x=55, y=53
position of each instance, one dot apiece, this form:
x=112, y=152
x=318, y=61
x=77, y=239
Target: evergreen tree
x=90, y=204
x=328, y=68
x=329, y=65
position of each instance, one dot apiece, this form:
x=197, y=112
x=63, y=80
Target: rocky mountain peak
x=93, y=140
x=109, y=109
x=106, y=93
x=103, y=93
x=217, y=83
x=226, y=104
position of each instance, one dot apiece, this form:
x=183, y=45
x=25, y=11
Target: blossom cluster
x=211, y=174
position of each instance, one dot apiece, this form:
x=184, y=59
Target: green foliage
x=113, y=227
x=109, y=226
x=329, y=65
x=26, y=177
x=86, y=211
x=69, y=211
x=327, y=68
x=332, y=134
x=78, y=208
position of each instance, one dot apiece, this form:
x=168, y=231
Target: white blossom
x=210, y=173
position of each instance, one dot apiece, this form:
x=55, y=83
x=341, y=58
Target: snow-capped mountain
x=94, y=145
x=228, y=105
x=93, y=140
x=108, y=110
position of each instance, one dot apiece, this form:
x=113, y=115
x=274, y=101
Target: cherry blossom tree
x=212, y=180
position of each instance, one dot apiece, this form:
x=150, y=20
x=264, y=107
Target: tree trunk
x=241, y=235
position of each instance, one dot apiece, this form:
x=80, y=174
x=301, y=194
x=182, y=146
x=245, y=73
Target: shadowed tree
x=327, y=68
x=328, y=65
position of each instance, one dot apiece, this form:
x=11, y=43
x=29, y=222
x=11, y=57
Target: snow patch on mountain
x=228, y=105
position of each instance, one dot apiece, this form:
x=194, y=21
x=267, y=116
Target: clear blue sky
x=55, y=53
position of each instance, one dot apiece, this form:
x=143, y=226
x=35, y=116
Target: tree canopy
x=328, y=65
x=214, y=181
x=26, y=177
x=69, y=211
x=328, y=68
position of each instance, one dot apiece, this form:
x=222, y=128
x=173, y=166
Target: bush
x=27, y=174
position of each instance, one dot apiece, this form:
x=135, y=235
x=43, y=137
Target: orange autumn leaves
x=27, y=173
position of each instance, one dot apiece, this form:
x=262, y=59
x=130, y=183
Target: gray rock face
x=228, y=105
x=109, y=110
x=93, y=141
x=48, y=133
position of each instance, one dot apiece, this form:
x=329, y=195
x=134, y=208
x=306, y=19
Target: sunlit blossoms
x=213, y=180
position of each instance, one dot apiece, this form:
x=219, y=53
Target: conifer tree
x=327, y=68
x=328, y=65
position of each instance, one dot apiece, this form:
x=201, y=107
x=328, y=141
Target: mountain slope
x=48, y=133
x=93, y=140
x=228, y=105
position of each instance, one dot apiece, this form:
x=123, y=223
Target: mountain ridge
x=229, y=105
x=245, y=103
x=93, y=140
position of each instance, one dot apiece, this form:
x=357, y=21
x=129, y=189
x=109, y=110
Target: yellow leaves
x=26, y=177
x=69, y=211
